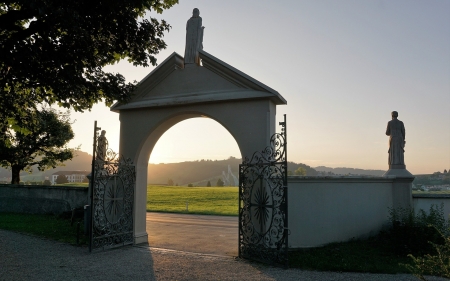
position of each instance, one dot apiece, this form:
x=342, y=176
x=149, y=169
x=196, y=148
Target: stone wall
x=424, y=201
x=38, y=199
x=323, y=210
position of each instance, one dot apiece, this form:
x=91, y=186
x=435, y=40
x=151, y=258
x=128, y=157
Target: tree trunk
x=15, y=174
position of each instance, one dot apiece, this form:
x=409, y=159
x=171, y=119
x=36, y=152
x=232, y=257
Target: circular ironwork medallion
x=114, y=199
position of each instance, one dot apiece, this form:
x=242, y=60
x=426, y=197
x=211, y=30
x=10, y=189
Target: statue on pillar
x=194, y=38
x=396, y=132
x=102, y=144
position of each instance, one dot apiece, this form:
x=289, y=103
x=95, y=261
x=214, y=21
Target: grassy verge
x=47, y=226
x=354, y=256
x=201, y=200
x=75, y=184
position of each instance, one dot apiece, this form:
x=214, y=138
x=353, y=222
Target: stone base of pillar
x=399, y=173
x=401, y=187
x=141, y=238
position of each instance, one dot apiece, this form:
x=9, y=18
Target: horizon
x=295, y=162
x=342, y=66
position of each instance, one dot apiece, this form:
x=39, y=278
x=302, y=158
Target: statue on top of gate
x=194, y=38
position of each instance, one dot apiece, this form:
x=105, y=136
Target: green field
x=201, y=200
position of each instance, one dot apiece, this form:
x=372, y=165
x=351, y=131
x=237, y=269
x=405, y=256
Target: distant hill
x=81, y=162
x=196, y=172
x=200, y=172
x=345, y=171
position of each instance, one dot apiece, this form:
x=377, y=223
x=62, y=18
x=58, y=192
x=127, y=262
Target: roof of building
x=171, y=83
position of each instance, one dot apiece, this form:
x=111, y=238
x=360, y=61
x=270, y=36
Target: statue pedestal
x=399, y=173
x=401, y=187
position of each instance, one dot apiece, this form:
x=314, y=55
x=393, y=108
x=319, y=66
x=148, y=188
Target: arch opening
x=193, y=152
x=195, y=139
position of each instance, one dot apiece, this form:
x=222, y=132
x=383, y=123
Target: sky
x=342, y=66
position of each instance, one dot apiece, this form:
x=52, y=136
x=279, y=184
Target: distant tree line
x=300, y=169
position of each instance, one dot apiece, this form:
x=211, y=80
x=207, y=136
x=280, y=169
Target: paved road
x=216, y=235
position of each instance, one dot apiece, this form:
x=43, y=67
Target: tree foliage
x=54, y=51
x=220, y=183
x=208, y=184
x=300, y=171
x=61, y=179
x=170, y=182
x=40, y=141
x=292, y=166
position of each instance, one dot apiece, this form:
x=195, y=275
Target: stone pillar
x=401, y=187
x=402, y=190
x=402, y=184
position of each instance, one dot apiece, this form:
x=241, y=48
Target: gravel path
x=24, y=257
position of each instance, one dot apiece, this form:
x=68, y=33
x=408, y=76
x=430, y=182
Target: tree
x=170, y=182
x=300, y=171
x=43, y=144
x=46, y=182
x=54, y=51
x=61, y=179
x=208, y=184
x=219, y=183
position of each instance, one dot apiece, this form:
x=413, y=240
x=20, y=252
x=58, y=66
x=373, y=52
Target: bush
x=437, y=236
x=411, y=233
x=61, y=179
x=47, y=182
x=437, y=264
x=190, y=185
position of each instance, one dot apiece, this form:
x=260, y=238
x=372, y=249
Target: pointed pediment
x=171, y=83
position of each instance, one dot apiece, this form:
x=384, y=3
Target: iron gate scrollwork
x=263, y=213
x=112, y=197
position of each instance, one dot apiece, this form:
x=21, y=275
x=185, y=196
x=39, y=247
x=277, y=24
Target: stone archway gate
x=198, y=85
x=175, y=91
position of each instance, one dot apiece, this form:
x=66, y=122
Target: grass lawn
x=47, y=226
x=74, y=184
x=201, y=200
x=446, y=192
x=354, y=256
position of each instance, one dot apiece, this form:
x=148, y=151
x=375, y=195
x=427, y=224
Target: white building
x=72, y=176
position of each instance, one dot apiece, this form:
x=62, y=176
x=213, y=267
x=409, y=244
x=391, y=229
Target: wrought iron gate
x=263, y=212
x=112, y=196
